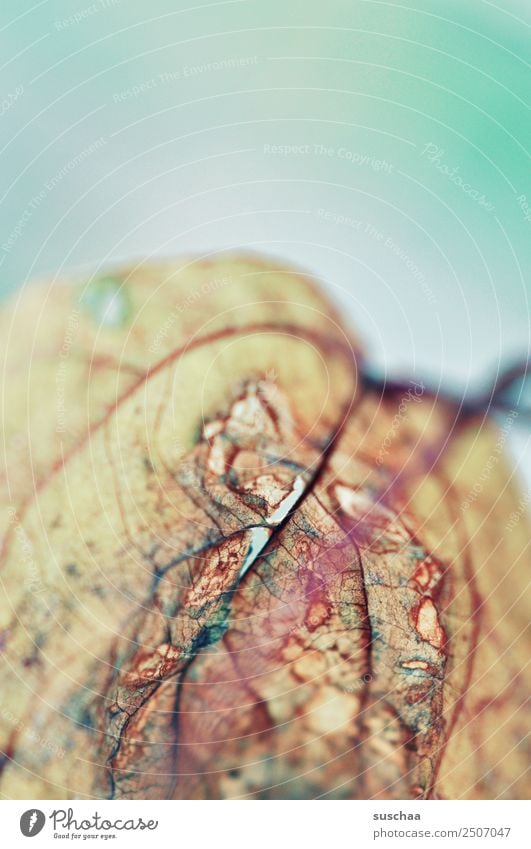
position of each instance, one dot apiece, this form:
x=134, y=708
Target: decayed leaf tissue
x=233, y=568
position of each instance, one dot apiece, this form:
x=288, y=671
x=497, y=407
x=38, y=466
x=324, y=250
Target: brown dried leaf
x=226, y=571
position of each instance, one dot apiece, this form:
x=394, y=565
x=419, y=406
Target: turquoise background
x=134, y=129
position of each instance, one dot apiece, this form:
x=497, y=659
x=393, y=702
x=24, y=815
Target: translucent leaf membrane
x=230, y=570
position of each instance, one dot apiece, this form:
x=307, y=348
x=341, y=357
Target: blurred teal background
x=384, y=146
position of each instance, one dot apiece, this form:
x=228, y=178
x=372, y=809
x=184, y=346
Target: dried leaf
x=231, y=569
